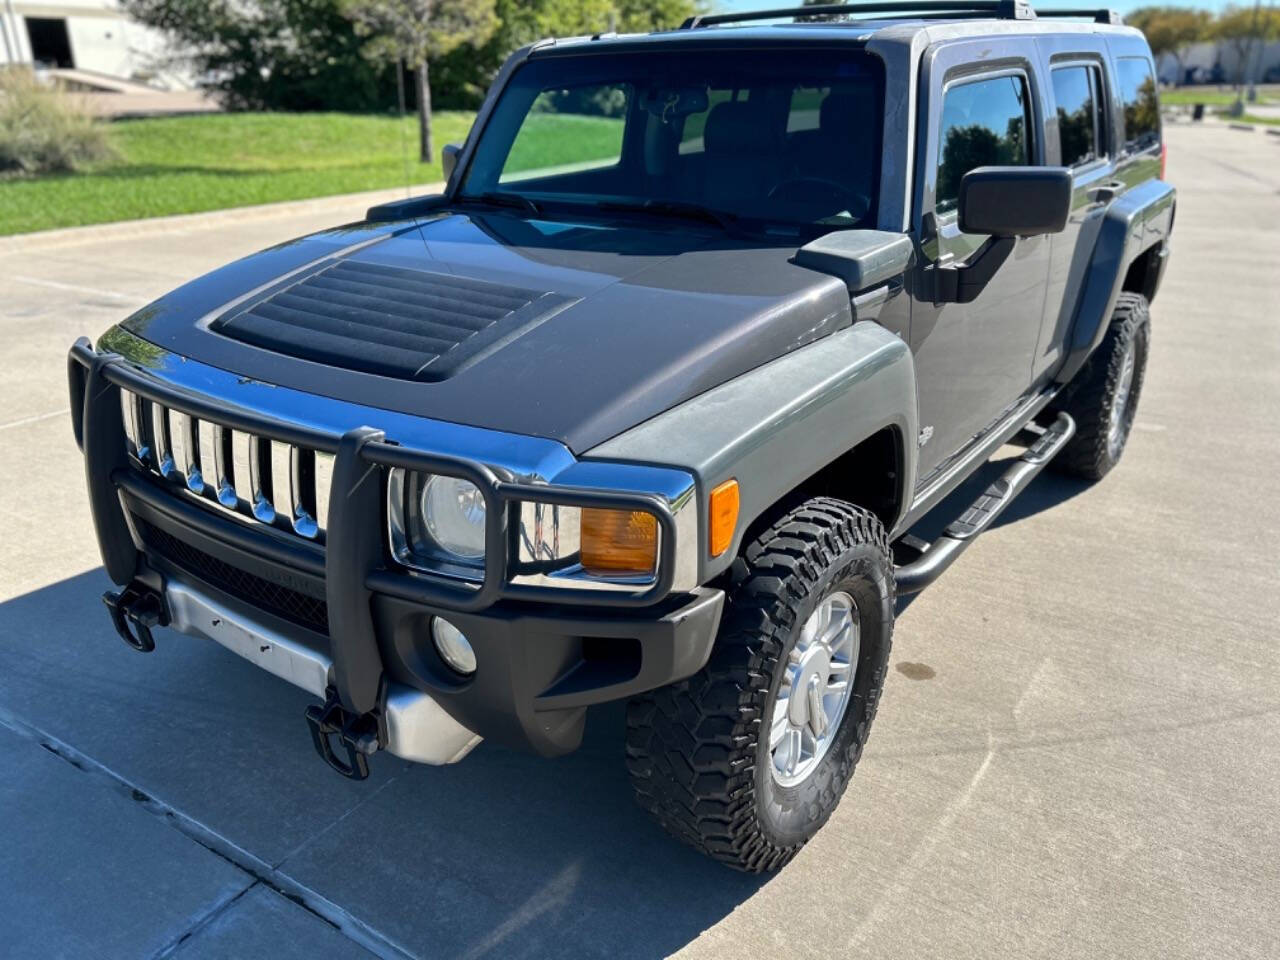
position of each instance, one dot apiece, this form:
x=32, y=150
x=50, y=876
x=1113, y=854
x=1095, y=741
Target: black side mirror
x=1015, y=201
x=1005, y=203
x=449, y=159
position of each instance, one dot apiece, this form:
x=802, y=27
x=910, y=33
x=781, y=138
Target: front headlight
x=437, y=523
x=453, y=512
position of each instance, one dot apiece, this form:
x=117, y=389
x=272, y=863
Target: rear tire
x=699, y=752
x=1103, y=397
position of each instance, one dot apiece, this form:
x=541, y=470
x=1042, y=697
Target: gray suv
x=646, y=405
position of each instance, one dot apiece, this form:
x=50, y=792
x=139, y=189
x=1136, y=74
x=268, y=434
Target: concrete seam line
x=39, y=417
x=202, y=921
x=351, y=927
x=74, y=288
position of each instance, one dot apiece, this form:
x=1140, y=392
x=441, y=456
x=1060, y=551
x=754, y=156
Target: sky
x=1124, y=6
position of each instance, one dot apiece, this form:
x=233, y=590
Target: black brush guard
x=354, y=562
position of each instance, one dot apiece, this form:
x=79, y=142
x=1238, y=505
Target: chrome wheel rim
x=813, y=694
x=1120, y=405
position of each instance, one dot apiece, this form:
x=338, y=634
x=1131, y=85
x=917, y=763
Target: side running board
x=937, y=556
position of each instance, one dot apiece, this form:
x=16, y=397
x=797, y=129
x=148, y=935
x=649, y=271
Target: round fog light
x=453, y=647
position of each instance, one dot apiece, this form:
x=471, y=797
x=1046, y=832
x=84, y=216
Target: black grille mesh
x=392, y=321
x=287, y=604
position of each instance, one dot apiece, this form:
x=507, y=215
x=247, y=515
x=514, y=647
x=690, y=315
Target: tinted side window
x=1074, y=92
x=984, y=123
x=1141, y=108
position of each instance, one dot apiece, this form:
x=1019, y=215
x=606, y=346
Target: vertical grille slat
x=281, y=480
x=259, y=489
x=162, y=442
x=206, y=446
x=133, y=436
x=302, y=483
x=186, y=453
x=263, y=480
x=241, y=481
x=323, y=482
x=223, y=469
x=146, y=431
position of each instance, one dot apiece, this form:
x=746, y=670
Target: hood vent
x=390, y=321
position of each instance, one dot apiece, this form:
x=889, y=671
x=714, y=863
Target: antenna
x=404, y=144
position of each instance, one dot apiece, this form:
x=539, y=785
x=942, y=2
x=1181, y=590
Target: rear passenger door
x=973, y=361
x=1081, y=139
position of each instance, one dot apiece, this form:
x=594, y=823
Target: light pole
x=1244, y=67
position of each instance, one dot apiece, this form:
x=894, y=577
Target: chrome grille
x=256, y=478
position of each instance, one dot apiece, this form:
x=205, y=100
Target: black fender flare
x=776, y=426
x=1135, y=222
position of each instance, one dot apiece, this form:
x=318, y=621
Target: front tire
x=1103, y=397
x=748, y=758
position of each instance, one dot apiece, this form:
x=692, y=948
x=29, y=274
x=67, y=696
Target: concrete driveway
x=1078, y=753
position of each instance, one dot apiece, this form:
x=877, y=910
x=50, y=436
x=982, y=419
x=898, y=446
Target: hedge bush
x=45, y=130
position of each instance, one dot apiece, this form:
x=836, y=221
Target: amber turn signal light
x=722, y=517
x=619, y=543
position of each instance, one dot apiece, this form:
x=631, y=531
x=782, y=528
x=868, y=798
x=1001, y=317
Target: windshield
x=787, y=136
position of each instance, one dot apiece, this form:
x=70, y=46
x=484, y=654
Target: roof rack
x=1101, y=15
x=998, y=9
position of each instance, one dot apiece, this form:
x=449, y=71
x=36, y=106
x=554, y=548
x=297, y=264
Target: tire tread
x=691, y=745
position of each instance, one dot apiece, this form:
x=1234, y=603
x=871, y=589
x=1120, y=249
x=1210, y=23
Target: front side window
x=1141, y=106
x=1074, y=91
x=780, y=138
x=984, y=123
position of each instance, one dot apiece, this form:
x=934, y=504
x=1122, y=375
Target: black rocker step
x=982, y=513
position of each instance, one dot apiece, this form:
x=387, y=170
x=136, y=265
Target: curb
x=352, y=204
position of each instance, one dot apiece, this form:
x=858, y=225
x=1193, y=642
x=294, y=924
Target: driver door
x=973, y=361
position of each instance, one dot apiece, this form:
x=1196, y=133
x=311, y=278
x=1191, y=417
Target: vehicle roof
x=854, y=32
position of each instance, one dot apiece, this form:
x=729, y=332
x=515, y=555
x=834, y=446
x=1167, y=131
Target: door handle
x=1105, y=192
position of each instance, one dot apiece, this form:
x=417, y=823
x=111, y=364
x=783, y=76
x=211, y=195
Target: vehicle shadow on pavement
x=503, y=854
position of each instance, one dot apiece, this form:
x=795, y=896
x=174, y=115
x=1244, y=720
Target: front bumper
x=347, y=617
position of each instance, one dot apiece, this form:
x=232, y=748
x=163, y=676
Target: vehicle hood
x=570, y=331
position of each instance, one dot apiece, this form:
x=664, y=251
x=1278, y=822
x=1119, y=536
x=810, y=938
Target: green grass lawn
x=550, y=140
x=188, y=164
x=1209, y=96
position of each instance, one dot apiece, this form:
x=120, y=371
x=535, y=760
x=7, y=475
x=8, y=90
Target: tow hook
x=358, y=735
x=134, y=611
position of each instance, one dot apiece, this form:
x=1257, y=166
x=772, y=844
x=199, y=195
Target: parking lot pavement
x=1076, y=754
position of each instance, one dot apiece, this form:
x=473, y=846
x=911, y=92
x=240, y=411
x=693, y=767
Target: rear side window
x=1075, y=91
x=984, y=123
x=1141, y=108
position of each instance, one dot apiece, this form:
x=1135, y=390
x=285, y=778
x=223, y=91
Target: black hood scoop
x=385, y=320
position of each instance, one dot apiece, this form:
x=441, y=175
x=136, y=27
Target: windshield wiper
x=500, y=198
x=674, y=208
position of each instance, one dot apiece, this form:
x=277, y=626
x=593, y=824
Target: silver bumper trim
x=418, y=728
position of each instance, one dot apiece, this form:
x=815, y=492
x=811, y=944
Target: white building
x=89, y=36
x=1204, y=57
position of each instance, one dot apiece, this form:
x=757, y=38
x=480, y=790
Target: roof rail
x=1101, y=15
x=1000, y=9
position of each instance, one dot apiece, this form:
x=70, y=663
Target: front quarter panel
x=773, y=428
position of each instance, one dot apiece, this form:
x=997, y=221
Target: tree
x=415, y=32
x=640, y=16
x=1171, y=30
x=819, y=18
x=1239, y=26
x=271, y=54
x=464, y=75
